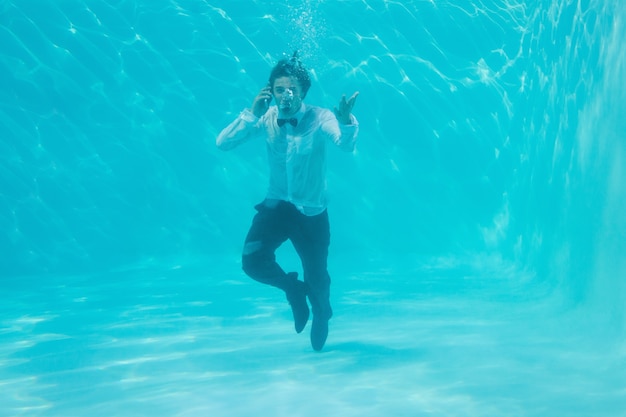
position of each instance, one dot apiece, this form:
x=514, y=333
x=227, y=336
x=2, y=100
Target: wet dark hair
x=291, y=67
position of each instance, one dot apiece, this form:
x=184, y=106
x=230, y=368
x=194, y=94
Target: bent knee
x=251, y=247
x=251, y=257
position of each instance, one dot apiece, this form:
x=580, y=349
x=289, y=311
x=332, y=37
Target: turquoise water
x=478, y=231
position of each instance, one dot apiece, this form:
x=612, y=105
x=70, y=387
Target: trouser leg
x=267, y=233
x=269, y=230
x=311, y=239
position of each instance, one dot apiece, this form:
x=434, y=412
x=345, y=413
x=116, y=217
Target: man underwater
x=294, y=208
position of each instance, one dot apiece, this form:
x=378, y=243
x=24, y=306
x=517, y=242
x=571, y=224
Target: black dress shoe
x=319, y=333
x=322, y=312
x=296, y=295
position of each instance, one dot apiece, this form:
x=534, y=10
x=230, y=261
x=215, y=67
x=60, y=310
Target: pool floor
x=443, y=340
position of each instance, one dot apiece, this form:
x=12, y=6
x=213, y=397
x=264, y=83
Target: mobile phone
x=268, y=100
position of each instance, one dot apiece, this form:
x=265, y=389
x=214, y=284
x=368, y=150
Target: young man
x=295, y=204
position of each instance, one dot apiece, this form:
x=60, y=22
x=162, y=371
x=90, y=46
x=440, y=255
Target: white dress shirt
x=297, y=155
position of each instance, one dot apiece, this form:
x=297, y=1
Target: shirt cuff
x=247, y=116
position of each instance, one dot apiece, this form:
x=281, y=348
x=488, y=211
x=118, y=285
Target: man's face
x=288, y=95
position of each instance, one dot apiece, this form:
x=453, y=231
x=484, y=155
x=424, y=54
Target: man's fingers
x=349, y=103
x=353, y=99
x=345, y=105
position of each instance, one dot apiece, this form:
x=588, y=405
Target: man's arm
x=248, y=123
x=242, y=129
x=344, y=127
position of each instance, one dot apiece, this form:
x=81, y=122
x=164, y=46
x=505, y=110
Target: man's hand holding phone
x=262, y=101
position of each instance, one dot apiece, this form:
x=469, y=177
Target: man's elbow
x=221, y=144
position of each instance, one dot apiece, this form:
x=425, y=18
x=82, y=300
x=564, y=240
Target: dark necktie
x=293, y=122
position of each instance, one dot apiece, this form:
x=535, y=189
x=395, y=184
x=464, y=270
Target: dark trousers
x=272, y=225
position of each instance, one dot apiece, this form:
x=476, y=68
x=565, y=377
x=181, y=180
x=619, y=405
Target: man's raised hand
x=343, y=111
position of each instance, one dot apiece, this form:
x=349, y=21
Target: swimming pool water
x=477, y=232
